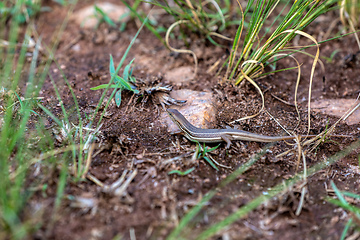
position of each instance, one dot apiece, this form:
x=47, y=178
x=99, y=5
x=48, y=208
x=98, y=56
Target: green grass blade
x=185, y=221
x=122, y=83
x=180, y=173
x=144, y=21
x=208, y=160
x=106, y=18
x=112, y=79
x=118, y=98
x=111, y=66
x=243, y=211
x=102, y=86
x=126, y=73
x=346, y=229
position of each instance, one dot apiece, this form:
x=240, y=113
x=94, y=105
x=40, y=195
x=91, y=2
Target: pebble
x=337, y=108
x=199, y=109
x=86, y=17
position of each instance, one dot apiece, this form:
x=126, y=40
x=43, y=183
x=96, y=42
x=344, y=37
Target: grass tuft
x=354, y=219
x=17, y=138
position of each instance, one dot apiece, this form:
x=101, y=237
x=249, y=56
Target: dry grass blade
x=167, y=36
x=296, y=86
x=220, y=36
x=219, y=164
x=218, y=9
x=253, y=204
x=94, y=180
x=257, y=88
x=321, y=136
x=197, y=19
x=316, y=58
x=235, y=44
x=44, y=156
x=247, y=67
x=120, y=191
x=303, y=189
x=354, y=108
x=262, y=95
x=278, y=123
x=88, y=161
x=344, y=15
x=117, y=188
x=198, y=22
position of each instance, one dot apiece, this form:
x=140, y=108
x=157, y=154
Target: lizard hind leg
x=226, y=139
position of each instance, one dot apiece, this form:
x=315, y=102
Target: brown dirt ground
x=154, y=205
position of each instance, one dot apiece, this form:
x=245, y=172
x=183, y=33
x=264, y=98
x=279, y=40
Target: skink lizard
x=219, y=135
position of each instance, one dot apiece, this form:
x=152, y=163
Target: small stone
x=199, y=109
x=337, y=108
x=87, y=16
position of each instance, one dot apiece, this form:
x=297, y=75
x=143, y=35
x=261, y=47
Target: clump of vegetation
x=18, y=151
x=262, y=41
x=354, y=211
x=204, y=17
x=350, y=10
x=349, y=16
x=121, y=83
x=29, y=9
x=31, y=153
x=29, y=150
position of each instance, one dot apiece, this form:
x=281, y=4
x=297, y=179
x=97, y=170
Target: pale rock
x=337, y=108
x=199, y=109
x=86, y=17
